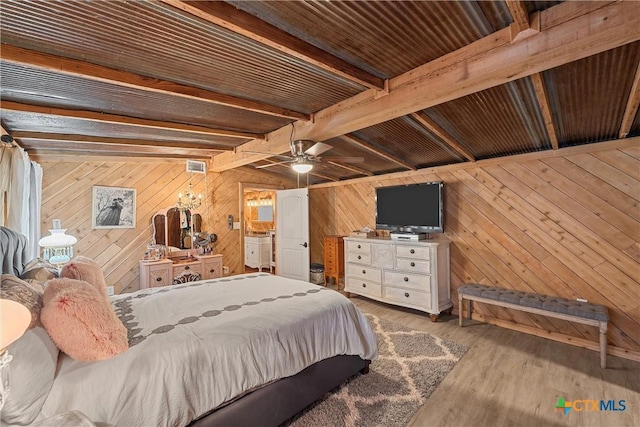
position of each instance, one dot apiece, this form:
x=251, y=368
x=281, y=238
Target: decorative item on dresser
x=333, y=258
x=412, y=274
x=163, y=272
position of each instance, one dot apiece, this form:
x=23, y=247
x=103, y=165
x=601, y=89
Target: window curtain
x=21, y=187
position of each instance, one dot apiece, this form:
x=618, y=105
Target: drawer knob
x=364, y=285
x=213, y=270
x=186, y=267
x=158, y=279
x=413, y=264
x=406, y=294
x=406, y=279
x=412, y=251
x=359, y=257
x=359, y=246
x=364, y=271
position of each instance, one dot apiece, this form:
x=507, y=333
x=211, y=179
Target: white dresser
x=412, y=274
x=257, y=251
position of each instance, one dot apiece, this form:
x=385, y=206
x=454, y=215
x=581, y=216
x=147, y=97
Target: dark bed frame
x=278, y=402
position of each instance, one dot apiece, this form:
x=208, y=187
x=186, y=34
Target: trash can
x=316, y=275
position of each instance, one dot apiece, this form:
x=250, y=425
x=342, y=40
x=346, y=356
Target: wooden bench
x=559, y=308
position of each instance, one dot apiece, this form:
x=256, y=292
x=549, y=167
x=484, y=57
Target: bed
x=252, y=349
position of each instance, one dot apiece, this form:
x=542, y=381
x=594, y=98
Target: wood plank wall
x=555, y=223
x=67, y=193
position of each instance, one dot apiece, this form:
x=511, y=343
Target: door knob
x=304, y=244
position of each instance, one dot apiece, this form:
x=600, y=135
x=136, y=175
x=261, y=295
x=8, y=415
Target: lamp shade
x=16, y=319
x=302, y=167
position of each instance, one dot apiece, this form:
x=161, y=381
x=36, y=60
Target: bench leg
x=460, y=310
x=469, y=308
x=603, y=344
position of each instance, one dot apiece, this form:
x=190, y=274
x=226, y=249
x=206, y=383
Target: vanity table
x=257, y=251
x=161, y=273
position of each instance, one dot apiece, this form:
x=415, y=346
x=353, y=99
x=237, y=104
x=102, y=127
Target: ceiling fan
x=304, y=153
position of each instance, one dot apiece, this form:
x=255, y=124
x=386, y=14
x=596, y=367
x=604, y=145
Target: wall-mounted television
x=415, y=208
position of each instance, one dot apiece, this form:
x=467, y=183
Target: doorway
x=257, y=208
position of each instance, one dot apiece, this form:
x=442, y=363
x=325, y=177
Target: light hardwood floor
x=508, y=378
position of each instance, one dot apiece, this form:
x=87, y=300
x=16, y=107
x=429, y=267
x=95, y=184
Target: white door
x=292, y=233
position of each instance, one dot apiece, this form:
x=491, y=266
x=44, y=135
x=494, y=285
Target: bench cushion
x=542, y=302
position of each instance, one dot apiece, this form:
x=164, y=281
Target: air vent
x=196, y=166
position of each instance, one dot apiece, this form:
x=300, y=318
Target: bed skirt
x=278, y=402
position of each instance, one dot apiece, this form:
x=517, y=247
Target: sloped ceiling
x=402, y=85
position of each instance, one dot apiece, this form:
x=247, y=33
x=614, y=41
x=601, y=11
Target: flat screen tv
x=415, y=208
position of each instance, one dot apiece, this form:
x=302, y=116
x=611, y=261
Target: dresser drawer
x=407, y=280
x=364, y=272
x=159, y=276
x=415, y=265
x=359, y=247
x=192, y=267
x=212, y=268
x=360, y=257
x=415, y=252
x=408, y=296
x=363, y=287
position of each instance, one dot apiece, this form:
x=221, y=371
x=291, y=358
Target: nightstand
x=333, y=258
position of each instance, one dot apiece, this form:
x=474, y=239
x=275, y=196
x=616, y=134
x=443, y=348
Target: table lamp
x=19, y=307
x=58, y=247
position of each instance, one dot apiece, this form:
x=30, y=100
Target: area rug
x=410, y=366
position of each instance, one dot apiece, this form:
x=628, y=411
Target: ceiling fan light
x=302, y=167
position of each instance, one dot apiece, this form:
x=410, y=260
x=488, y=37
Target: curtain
x=24, y=195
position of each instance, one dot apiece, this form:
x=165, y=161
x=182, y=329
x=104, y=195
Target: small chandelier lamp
x=57, y=247
x=189, y=200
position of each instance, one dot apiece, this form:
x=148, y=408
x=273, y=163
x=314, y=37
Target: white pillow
x=31, y=374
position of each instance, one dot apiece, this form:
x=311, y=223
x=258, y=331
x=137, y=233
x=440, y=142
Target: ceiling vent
x=195, y=166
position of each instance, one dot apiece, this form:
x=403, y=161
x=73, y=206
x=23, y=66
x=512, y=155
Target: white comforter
x=199, y=345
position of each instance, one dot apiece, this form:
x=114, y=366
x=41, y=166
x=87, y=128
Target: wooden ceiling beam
x=93, y=116
x=438, y=131
x=543, y=101
x=247, y=25
x=86, y=70
x=114, y=148
x=569, y=32
x=632, y=105
x=378, y=152
x=350, y=168
x=71, y=154
x=84, y=139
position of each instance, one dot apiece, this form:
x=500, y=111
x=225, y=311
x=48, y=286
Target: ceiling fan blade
x=273, y=164
x=318, y=148
x=343, y=159
x=280, y=156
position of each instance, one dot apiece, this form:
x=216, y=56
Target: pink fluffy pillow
x=83, y=268
x=81, y=321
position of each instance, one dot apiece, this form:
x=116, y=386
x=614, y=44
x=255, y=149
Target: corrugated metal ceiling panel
x=372, y=163
x=42, y=87
x=508, y=120
x=19, y=121
x=393, y=36
x=588, y=97
x=157, y=40
x=405, y=139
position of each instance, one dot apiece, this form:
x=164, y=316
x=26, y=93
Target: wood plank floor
x=508, y=378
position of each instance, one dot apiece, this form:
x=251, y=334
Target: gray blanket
x=13, y=251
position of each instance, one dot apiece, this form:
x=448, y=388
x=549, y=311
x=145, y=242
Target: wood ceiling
x=403, y=84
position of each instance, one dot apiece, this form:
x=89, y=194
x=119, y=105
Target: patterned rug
x=410, y=366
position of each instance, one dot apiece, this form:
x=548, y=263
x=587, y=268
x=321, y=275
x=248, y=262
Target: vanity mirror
x=175, y=227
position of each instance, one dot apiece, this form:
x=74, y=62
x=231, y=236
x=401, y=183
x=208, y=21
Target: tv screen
x=415, y=208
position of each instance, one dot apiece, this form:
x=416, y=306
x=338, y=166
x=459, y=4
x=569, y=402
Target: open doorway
x=257, y=207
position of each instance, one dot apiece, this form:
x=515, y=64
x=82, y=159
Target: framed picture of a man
x=113, y=207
